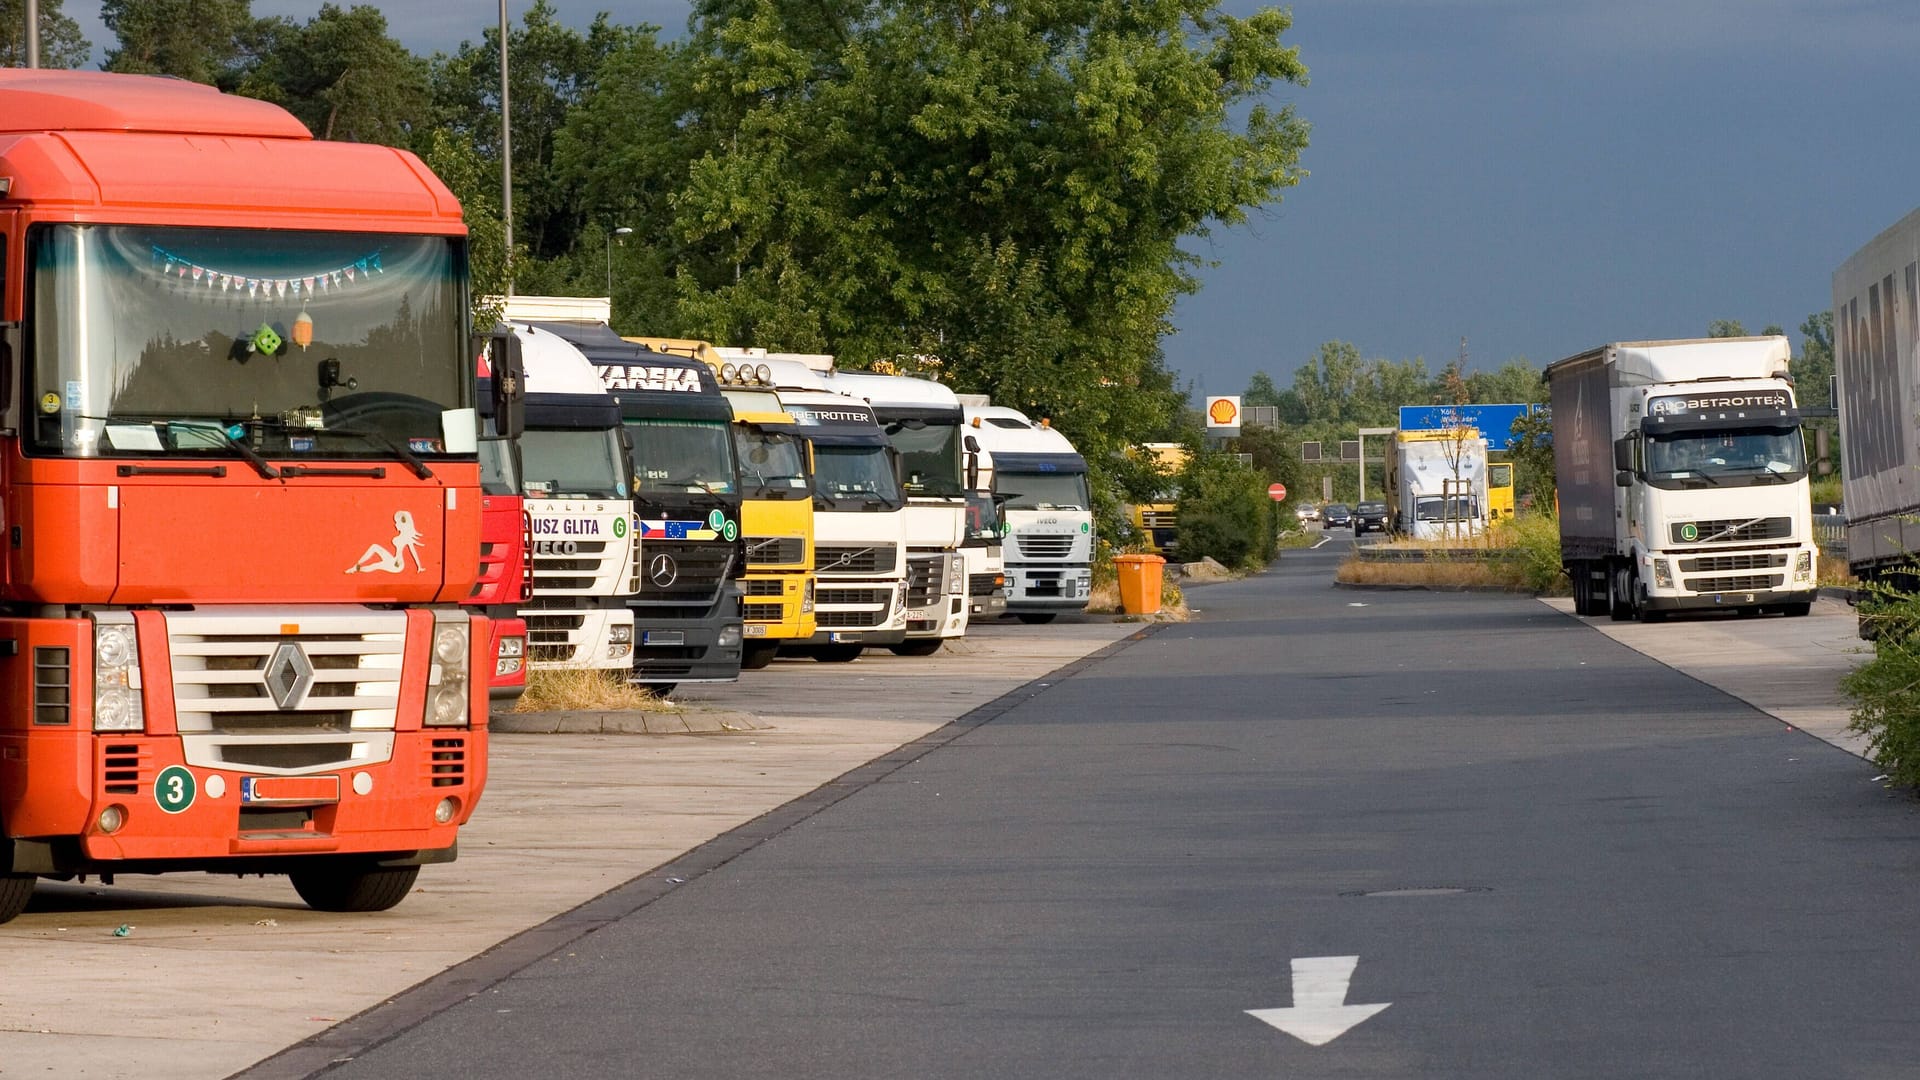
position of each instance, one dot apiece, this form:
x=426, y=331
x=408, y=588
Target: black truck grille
x=923, y=580
x=1721, y=564
x=1046, y=547
x=763, y=587
x=1748, y=583
x=1731, y=530
x=855, y=560
x=878, y=597
x=775, y=550
x=683, y=571
x=763, y=612
x=851, y=620
x=982, y=584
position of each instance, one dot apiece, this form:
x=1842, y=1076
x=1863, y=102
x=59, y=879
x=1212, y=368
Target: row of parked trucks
x=280, y=525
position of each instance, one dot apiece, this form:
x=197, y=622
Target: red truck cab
x=240, y=497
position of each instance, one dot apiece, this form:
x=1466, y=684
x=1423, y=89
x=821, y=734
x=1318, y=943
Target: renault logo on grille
x=289, y=674
x=663, y=571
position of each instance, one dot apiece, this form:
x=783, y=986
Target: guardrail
x=1381, y=553
x=1830, y=532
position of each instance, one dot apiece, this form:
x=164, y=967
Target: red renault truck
x=240, y=497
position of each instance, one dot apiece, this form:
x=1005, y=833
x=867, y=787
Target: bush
x=1535, y=541
x=1225, y=513
x=1886, y=689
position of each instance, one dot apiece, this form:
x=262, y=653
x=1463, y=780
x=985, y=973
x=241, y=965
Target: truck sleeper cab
x=241, y=483
x=686, y=496
x=586, y=553
x=923, y=422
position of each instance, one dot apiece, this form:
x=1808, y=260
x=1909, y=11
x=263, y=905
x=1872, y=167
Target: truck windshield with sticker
x=169, y=340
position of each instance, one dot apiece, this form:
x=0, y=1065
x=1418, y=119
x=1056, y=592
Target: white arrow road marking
x=1320, y=1013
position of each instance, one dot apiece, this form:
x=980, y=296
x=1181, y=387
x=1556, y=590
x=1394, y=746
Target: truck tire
x=755, y=657
x=838, y=654
x=350, y=886
x=15, y=891
x=1036, y=618
x=1620, y=592
x=917, y=647
x=1583, y=592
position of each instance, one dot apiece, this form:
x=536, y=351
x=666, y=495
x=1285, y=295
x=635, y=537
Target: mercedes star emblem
x=662, y=571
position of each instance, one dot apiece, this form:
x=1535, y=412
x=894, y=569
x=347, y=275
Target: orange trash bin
x=1139, y=583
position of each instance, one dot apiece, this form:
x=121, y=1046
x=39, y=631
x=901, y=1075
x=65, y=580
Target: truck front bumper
x=686, y=650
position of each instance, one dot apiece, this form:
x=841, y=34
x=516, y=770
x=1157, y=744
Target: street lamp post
x=621, y=231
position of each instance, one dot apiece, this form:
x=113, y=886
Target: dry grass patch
x=1435, y=573
x=586, y=691
x=1834, y=573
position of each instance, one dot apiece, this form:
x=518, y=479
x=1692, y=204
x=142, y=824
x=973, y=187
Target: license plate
x=916, y=614
x=301, y=790
x=664, y=637
x=754, y=630
x=839, y=637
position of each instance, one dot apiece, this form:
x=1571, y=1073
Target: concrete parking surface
x=214, y=973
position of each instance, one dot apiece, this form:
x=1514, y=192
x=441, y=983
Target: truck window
x=929, y=458
x=300, y=342
x=1044, y=491
x=682, y=455
x=773, y=465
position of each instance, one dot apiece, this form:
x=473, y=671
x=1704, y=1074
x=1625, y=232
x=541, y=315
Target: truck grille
x=1720, y=564
x=1159, y=519
x=851, y=620
x=237, y=673
x=1044, y=547
x=1046, y=585
x=855, y=560
x=763, y=612
x=123, y=768
x=869, y=597
x=448, y=767
x=1736, y=530
x=1747, y=583
x=923, y=579
x=763, y=586
x=775, y=550
x=981, y=584
x=697, y=573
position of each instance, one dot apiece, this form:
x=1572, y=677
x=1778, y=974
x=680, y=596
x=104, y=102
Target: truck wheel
x=1795, y=610
x=347, y=886
x=917, y=647
x=1620, y=593
x=755, y=657
x=15, y=891
x=1036, y=618
x=838, y=654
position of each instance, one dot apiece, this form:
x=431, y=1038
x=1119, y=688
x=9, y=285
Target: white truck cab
x=1041, y=481
x=579, y=512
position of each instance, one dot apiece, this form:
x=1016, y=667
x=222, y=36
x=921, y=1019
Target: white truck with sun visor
x=1041, y=480
x=578, y=484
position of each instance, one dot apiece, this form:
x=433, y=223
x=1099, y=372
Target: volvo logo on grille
x=663, y=571
x=289, y=675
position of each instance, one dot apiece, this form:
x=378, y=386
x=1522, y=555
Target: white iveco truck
x=578, y=502
x=923, y=421
x=1042, y=482
x=1683, y=480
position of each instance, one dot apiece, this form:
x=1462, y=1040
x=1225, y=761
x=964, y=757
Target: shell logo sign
x=1223, y=416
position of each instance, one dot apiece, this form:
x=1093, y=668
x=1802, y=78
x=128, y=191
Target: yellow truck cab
x=1158, y=522
x=776, y=509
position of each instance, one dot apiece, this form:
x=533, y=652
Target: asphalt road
x=1582, y=864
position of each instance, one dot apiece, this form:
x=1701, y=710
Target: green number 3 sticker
x=174, y=789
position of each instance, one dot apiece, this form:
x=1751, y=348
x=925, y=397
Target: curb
x=626, y=722
x=1368, y=586
x=1845, y=596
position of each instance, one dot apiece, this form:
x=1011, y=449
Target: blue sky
x=1539, y=176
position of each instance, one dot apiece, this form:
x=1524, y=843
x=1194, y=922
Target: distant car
x=1337, y=514
x=1307, y=512
x=1369, y=517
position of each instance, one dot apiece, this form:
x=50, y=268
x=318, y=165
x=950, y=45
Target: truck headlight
x=116, y=674
x=956, y=576
x=1803, y=567
x=513, y=646
x=1662, y=574
x=620, y=635
x=447, y=706
x=806, y=599
x=729, y=636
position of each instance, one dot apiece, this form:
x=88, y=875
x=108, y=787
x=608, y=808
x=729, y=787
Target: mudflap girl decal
x=406, y=542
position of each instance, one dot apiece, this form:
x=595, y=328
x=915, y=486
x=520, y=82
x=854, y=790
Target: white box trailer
x=1876, y=345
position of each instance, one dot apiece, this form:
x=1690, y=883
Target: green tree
x=206, y=41
x=1813, y=368
x=1531, y=450
x=342, y=75
x=1726, y=328
x=1225, y=513
x=472, y=180
x=1261, y=391
x=1005, y=187
x=551, y=69
x=61, y=45
x=1516, y=382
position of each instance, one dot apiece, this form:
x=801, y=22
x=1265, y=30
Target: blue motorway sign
x=1494, y=421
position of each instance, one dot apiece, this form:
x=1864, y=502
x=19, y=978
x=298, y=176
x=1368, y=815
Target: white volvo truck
x=859, y=514
x=1683, y=479
x=1041, y=482
x=924, y=423
x=578, y=489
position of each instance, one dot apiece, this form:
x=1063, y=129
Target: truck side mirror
x=1622, y=454
x=509, y=369
x=973, y=471
x=1623, y=478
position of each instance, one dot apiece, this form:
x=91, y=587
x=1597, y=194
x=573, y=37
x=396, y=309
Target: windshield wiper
x=219, y=432
x=386, y=442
